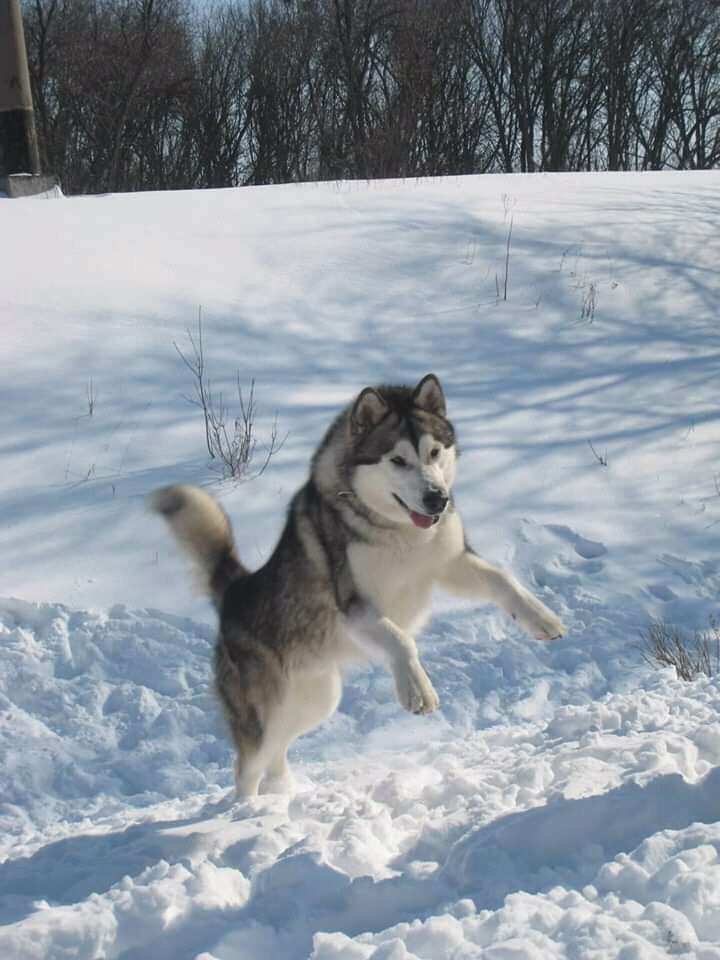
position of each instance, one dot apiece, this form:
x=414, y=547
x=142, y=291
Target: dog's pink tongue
x=421, y=520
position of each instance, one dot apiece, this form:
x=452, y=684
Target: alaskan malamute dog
x=366, y=539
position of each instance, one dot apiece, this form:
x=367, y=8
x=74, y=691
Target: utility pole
x=19, y=156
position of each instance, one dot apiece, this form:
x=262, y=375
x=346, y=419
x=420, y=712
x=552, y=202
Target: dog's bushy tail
x=202, y=528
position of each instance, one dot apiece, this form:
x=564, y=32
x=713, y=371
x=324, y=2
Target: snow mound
x=557, y=826
x=563, y=801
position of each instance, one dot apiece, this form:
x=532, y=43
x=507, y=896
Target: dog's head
x=404, y=453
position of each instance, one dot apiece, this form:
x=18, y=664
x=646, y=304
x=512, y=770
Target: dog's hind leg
x=247, y=776
x=310, y=697
x=250, y=759
x=278, y=778
x=262, y=771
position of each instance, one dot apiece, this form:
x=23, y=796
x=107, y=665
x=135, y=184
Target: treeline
x=140, y=94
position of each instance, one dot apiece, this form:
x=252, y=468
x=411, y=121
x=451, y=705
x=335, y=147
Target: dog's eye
x=435, y=453
x=399, y=461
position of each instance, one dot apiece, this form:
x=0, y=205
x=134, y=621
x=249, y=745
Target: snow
x=565, y=800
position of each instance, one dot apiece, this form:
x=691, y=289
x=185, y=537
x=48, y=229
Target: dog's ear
x=368, y=411
x=429, y=396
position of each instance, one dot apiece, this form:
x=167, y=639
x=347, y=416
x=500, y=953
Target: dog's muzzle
x=422, y=520
x=435, y=501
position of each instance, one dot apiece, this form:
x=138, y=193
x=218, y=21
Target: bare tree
x=218, y=112
x=696, y=94
x=134, y=94
x=283, y=37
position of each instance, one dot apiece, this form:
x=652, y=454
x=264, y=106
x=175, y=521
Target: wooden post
x=18, y=141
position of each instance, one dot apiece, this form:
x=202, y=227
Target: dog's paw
x=276, y=783
x=552, y=628
x=539, y=621
x=415, y=692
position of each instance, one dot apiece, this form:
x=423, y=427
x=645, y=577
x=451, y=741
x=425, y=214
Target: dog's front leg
x=468, y=575
x=415, y=692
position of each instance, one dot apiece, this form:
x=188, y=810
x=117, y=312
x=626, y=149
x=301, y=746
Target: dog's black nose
x=434, y=501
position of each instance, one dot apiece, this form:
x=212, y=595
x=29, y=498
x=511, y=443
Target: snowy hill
x=565, y=800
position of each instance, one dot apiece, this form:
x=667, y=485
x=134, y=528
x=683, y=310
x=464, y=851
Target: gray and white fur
x=368, y=536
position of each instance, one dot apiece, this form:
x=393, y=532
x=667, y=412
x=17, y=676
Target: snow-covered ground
x=565, y=800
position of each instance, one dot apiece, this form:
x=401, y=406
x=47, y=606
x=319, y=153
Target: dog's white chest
x=397, y=574
x=396, y=578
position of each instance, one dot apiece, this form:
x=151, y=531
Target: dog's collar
x=353, y=501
